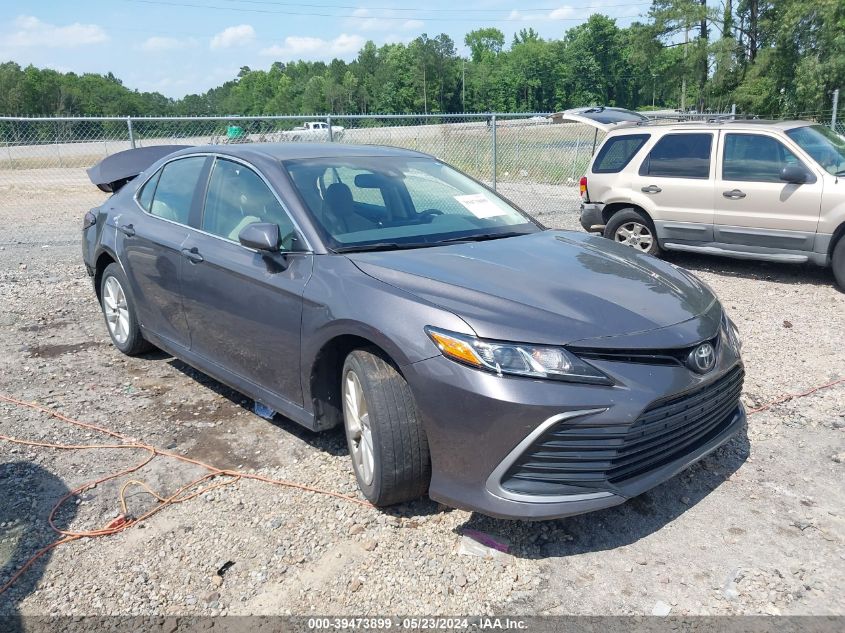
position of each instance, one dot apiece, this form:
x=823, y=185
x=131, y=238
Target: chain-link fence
x=526, y=157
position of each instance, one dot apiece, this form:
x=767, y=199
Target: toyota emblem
x=702, y=359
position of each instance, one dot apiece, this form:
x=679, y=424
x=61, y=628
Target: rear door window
x=617, y=152
x=755, y=157
x=679, y=156
x=175, y=191
x=145, y=196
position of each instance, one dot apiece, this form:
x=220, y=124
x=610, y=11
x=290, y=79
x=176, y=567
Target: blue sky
x=182, y=46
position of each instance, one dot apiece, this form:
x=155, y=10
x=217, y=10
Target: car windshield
x=390, y=202
x=825, y=146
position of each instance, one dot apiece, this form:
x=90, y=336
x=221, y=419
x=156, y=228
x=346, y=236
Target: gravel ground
x=757, y=527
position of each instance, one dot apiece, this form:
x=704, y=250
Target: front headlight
x=731, y=332
x=516, y=359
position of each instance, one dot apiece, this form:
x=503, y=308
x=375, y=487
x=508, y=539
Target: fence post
x=329, y=123
x=58, y=146
x=131, y=134
x=493, y=132
x=835, y=108
x=733, y=111
x=575, y=158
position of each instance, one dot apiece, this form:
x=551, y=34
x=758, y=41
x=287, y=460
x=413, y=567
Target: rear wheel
x=119, y=311
x=634, y=229
x=387, y=444
x=838, y=262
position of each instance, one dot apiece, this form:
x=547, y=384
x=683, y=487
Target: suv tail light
x=583, y=188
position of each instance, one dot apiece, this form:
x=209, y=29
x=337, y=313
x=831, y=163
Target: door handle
x=734, y=194
x=193, y=255
x=651, y=189
x=127, y=229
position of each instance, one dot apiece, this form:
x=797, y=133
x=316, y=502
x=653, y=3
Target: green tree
x=484, y=43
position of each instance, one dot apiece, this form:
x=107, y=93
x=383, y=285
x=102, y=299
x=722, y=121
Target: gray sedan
x=469, y=352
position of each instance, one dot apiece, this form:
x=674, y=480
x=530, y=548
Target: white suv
x=768, y=190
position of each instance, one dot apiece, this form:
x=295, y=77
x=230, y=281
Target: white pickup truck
x=313, y=131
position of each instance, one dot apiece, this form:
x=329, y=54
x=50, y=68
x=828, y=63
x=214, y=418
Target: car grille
x=675, y=356
x=577, y=455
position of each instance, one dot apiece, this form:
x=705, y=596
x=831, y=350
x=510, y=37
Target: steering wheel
x=428, y=215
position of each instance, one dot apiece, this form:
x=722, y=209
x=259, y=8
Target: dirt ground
x=756, y=528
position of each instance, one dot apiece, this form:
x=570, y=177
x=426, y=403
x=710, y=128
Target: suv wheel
x=632, y=228
x=119, y=311
x=838, y=262
x=386, y=441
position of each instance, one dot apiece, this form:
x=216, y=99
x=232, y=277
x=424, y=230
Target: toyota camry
x=469, y=352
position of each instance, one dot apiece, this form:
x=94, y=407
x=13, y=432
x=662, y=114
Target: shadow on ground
x=27, y=495
x=804, y=274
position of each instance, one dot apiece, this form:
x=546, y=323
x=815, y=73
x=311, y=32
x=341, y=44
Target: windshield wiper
x=839, y=173
x=481, y=237
x=395, y=246
x=378, y=246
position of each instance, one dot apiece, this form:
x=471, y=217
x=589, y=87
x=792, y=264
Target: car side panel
x=833, y=207
x=244, y=311
x=770, y=214
x=681, y=208
x=340, y=300
x=152, y=260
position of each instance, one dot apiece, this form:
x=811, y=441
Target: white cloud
x=30, y=31
x=239, y=35
x=568, y=13
x=561, y=13
x=158, y=44
x=410, y=25
x=364, y=20
x=315, y=47
x=384, y=20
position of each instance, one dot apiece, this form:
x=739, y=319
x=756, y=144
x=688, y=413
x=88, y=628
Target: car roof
x=293, y=151
x=737, y=124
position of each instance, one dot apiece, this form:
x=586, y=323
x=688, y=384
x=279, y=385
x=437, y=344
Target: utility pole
x=835, y=108
x=464, y=85
x=684, y=80
x=425, y=93
x=653, y=88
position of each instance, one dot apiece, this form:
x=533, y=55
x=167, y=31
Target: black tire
x=401, y=465
x=134, y=342
x=838, y=263
x=631, y=217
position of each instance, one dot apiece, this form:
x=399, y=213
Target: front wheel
x=387, y=444
x=632, y=228
x=838, y=263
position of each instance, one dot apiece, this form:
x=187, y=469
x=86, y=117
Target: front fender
x=341, y=300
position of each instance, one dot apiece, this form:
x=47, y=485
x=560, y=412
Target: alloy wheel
x=636, y=235
x=116, y=310
x=358, y=430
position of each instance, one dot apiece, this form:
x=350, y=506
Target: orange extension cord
x=185, y=493
x=123, y=522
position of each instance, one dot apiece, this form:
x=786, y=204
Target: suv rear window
x=618, y=152
x=679, y=156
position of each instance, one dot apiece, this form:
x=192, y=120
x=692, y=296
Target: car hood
x=555, y=287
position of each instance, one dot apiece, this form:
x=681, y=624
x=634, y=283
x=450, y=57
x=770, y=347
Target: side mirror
x=795, y=174
x=262, y=236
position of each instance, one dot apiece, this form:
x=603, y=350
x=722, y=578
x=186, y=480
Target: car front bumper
x=591, y=217
x=478, y=424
